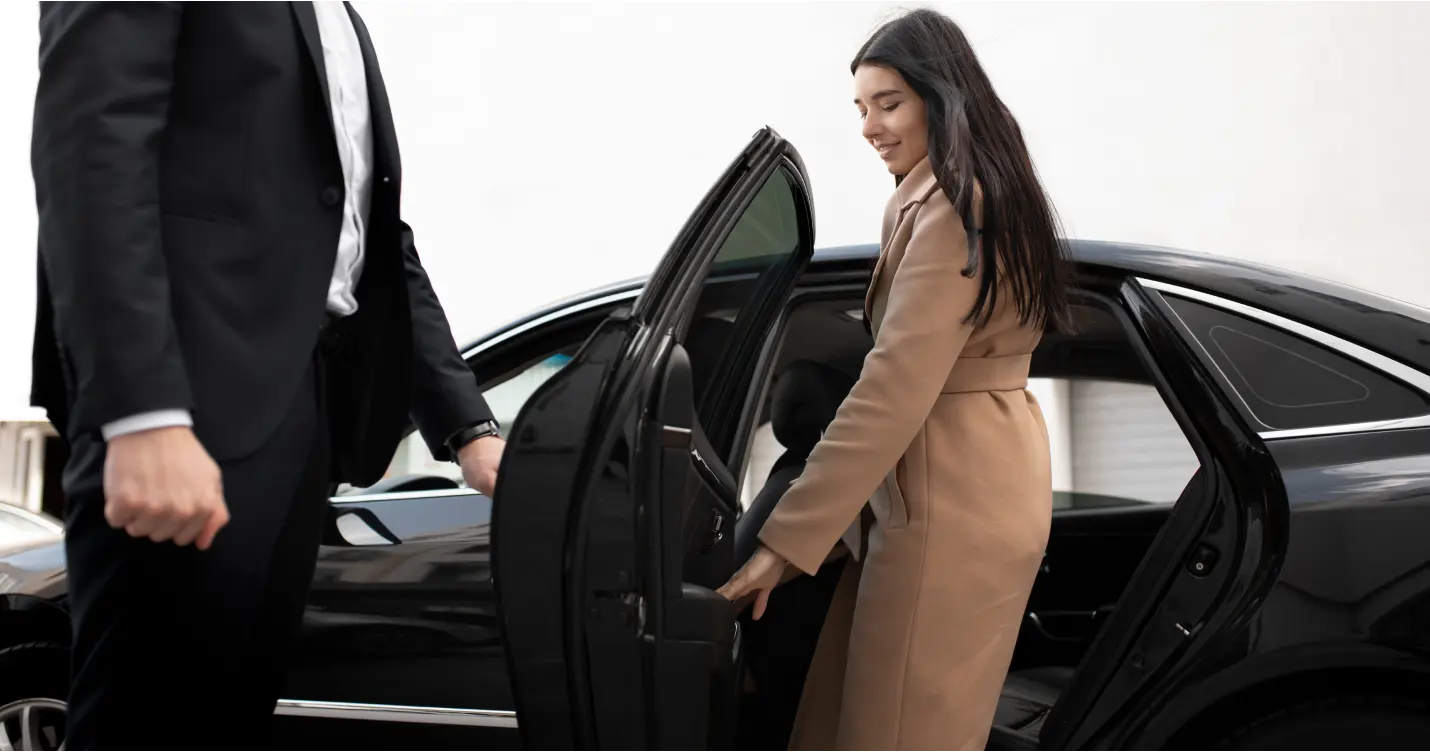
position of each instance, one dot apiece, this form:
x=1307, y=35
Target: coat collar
x=917, y=185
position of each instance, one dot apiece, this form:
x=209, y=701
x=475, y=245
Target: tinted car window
x=744, y=278
x=1285, y=382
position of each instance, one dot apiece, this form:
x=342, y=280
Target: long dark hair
x=973, y=137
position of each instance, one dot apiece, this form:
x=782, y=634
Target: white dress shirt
x=352, y=124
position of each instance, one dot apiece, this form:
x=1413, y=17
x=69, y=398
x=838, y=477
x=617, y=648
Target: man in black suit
x=232, y=316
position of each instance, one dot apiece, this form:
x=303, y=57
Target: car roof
x=1393, y=327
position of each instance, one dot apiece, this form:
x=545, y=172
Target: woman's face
x=895, y=123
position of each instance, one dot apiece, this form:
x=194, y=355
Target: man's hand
x=162, y=485
x=479, y=460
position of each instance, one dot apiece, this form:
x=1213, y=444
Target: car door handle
x=1064, y=626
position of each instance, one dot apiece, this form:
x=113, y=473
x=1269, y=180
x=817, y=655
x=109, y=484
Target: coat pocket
x=890, y=509
x=898, y=507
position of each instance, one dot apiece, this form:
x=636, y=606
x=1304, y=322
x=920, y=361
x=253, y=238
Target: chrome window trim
x=358, y=498
x=550, y=317
x=1363, y=355
x=397, y=713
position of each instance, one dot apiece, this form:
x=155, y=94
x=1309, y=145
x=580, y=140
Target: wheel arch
x=1204, y=712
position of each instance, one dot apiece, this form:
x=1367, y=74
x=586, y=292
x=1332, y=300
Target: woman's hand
x=760, y=575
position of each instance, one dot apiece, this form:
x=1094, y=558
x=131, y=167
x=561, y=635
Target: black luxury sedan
x=1238, y=555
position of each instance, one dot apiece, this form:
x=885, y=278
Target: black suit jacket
x=190, y=195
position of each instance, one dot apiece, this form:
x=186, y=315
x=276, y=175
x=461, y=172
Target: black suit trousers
x=176, y=648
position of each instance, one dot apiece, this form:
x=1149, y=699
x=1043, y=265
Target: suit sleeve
x=445, y=394
x=106, y=72
x=921, y=336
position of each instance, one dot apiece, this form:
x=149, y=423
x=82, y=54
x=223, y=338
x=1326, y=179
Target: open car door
x=615, y=507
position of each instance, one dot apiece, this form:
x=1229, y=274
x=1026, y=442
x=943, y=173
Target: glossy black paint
x=546, y=459
x=1167, y=617
x=1325, y=584
x=1347, y=612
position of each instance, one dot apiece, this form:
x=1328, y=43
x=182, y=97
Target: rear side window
x=1285, y=382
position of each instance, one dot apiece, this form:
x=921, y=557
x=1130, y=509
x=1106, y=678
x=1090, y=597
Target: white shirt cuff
x=146, y=422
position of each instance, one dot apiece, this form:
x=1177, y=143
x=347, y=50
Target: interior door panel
x=691, y=627
x=1091, y=556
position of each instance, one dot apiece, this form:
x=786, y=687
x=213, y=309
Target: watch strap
x=471, y=433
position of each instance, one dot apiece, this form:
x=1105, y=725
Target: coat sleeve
x=919, y=340
x=101, y=105
x=445, y=394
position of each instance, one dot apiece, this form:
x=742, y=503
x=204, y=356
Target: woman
x=939, y=435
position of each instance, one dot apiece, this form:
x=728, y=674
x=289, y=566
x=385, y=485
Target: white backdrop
x=549, y=147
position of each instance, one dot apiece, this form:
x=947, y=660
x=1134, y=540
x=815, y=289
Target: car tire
x=34, y=675
x=1352, y=722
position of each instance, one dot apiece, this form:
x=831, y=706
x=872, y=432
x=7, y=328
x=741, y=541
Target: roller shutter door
x=1126, y=443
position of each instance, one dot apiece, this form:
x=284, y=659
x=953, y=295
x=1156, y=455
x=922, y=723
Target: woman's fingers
x=760, y=600
x=740, y=585
x=759, y=576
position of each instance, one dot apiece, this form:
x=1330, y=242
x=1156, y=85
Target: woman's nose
x=871, y=127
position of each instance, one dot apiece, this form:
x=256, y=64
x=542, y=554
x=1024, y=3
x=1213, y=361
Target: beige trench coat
x=942, y=441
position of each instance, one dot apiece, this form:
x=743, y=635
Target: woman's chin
x=898, y=166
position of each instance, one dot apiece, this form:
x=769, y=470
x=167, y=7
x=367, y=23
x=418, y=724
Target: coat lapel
x=384, y=132
x=914, y=188
x=307, y=20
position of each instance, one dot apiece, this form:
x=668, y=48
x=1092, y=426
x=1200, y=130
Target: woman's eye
x=892, y=107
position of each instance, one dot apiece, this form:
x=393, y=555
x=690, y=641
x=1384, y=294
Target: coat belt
x=1002, y=373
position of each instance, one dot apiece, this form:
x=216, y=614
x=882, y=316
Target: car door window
x=752, y=261
x=505, y=399
x=1284, y=382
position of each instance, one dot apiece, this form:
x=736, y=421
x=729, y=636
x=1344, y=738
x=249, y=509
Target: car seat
x=803, y=401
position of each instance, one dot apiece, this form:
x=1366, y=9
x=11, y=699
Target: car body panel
x=1348, y=606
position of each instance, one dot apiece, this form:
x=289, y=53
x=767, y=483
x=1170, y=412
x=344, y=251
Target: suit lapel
x=384, y=132
x=307, y=20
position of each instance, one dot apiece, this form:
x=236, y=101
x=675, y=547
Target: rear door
x=1203, y=569
x=615, y=508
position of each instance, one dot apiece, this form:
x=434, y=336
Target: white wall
x=549, y=147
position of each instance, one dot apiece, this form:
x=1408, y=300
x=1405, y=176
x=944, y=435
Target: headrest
x=803, y=401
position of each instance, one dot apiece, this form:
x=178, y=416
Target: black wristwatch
x=471, y=433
